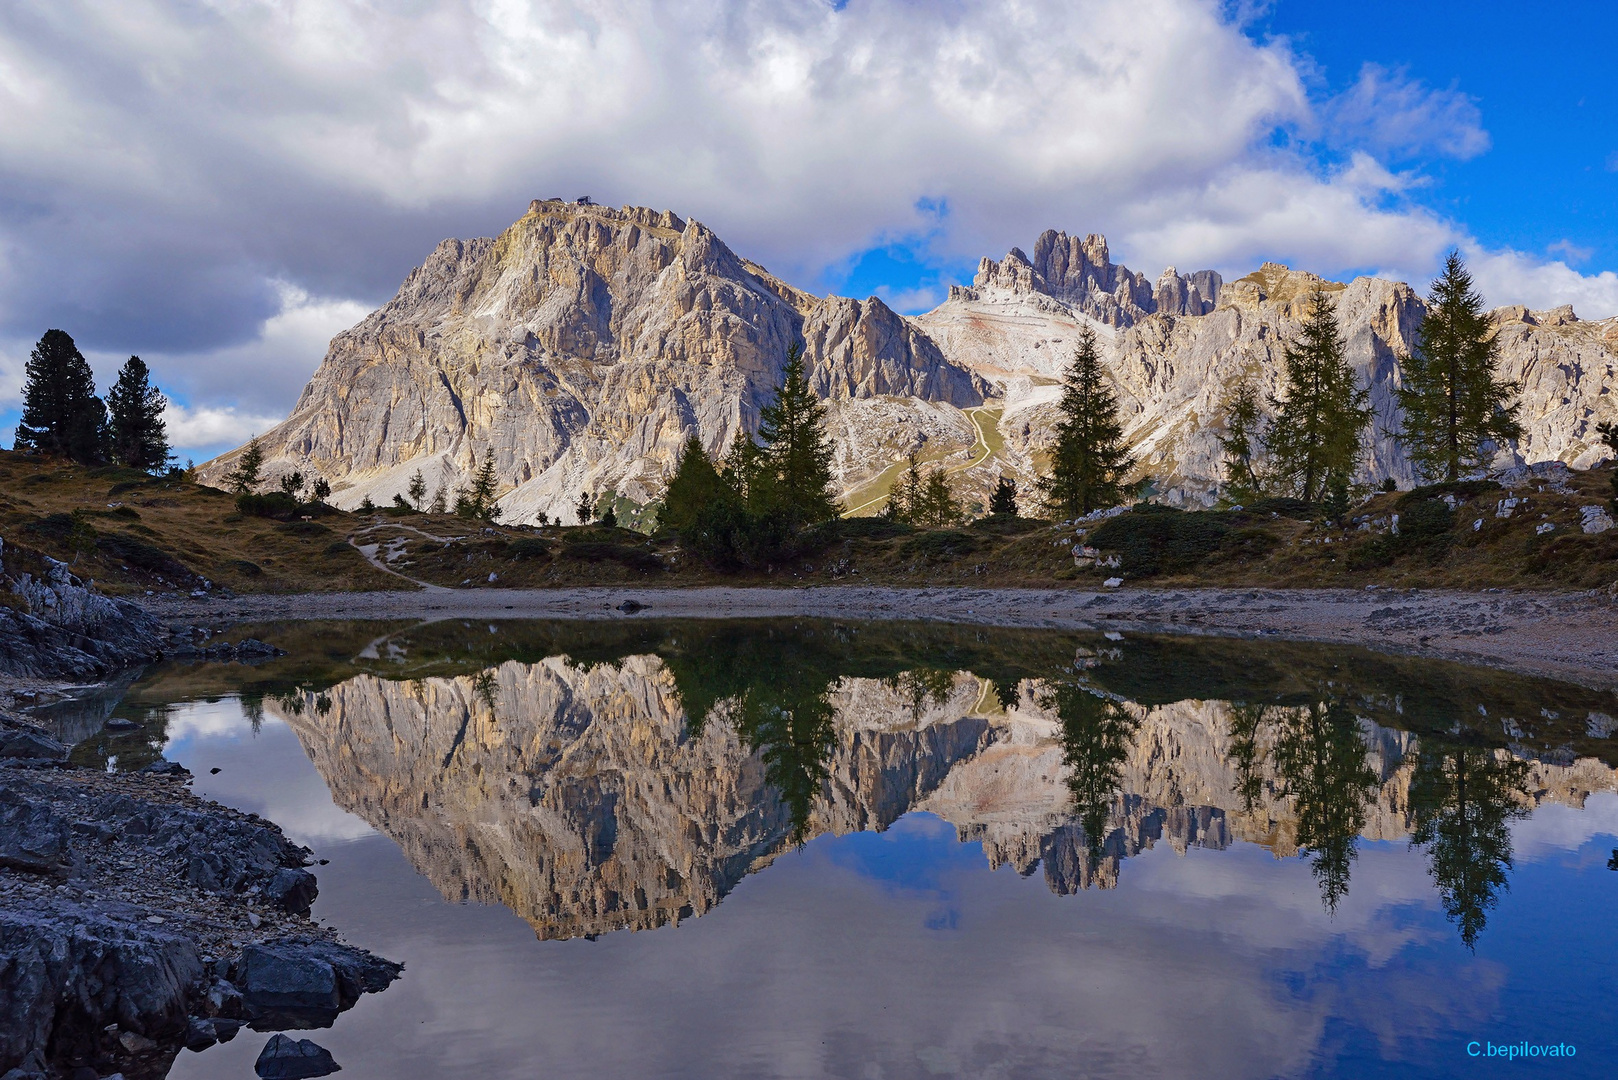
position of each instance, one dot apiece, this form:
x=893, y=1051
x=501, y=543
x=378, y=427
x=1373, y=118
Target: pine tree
x=61, y=414
x=905, y=497
x=938, y=503
x=417, y=491
x=1453, y=399
x=695, y=488
x=1003, y=503
x=135, y=426
x=245, y=477
x=321, y=490
x=1319, y=423
x=1241, y=431
x=584, y=507
x=440, y=503
x=1090, y=459
x=795, y=481
x=478, y=501
x=292, y=484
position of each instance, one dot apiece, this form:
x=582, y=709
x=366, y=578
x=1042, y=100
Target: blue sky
x=221, y=187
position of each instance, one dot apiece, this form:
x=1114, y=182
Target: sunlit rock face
x=581, y=348
x=584, y=345
x=1175, y=350
x=584, y=799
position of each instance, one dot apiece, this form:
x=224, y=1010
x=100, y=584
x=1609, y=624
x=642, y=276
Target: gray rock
x=283, y=978
x=30, y=745
x=33, y=837
x=287, y=1059
x=292, y=889
x=200, y=1034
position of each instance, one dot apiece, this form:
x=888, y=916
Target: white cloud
x=1511, y=277
x=1389, y=112
x=199, y=431
x=169, y=167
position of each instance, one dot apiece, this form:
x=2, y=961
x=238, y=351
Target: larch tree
x=246, y=475
x=61, y=414
x=1003, y=502
x=1454, y=401
x=1090, y=459
x=1315, y=438
x=137, y=433
x=1239, y=441
x=796, y=477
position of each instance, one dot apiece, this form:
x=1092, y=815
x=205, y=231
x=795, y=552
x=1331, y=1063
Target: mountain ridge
x=582, y=346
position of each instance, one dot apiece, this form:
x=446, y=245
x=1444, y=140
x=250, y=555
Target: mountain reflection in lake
x=602, y=777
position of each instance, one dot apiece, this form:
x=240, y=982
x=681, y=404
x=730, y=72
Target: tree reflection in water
x=1315, y=757
x=1463, y=799
x=1097, y=734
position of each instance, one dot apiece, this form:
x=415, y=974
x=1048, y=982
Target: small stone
x=285, y=1059
x=1113, y=582
x=253, y=920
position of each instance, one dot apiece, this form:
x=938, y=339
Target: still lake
x=829, y=849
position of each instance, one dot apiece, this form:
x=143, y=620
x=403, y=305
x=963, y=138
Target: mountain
x=583, y=345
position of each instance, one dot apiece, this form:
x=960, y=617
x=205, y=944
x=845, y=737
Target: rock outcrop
x=54, y=626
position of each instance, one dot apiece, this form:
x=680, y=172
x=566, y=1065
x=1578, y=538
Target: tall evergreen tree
x=478, y=500
x=137, y=433
x=1238, y=442
x=796, y=480
x=417, y=490
x=245, y=477
x=61, y=414
x=1097, y=735
x=695, y=489
x=1090, y=459
x=939, y=506
x=1003, y=503
x=1453, y=398
x=1319, y=422
x=905, y=497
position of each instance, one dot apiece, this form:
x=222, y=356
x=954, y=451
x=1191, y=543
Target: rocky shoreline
x=137, y=918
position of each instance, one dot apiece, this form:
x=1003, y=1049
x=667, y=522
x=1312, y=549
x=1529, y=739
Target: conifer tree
x=742, y=464
x=1003, y=503
x=245, y=477
x=584, y=508
x=440, y=503
x=417, y=490
x=1319, y=422
x=905, y=497
x=61, y=414
x=1090, y=459
x=135, y=426
x=1453, y=398
x=938, y=503
x=478, y=501
x=695, y=488
x=797, y=481
x=1238, y=441
x=321, y=490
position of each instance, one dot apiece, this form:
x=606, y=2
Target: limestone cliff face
x=581, y=348
x=1174, y=359
x=585, y=344
x=579, y=797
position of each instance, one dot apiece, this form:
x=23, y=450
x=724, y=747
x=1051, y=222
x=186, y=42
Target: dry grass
x=197, y=530
x=154, y=534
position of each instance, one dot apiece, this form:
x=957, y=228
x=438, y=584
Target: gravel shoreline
x=1569, y=636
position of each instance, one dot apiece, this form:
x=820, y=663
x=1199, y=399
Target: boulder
x=32, y=836
x=293, y=1059
x=29, y=744
x=292, y=890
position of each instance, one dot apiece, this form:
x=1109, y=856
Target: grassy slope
x=197, y=528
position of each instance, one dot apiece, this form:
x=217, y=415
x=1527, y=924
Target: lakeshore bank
x=1563, y=635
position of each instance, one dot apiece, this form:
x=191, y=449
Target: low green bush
x=271, y=504
x=302, y=528
x=528, y=547
x=1158, y=539
x=938, y=544
x=635, y=558
x=1286, y=506
x=139, y=555
x=1461, y=489
x=246, y=568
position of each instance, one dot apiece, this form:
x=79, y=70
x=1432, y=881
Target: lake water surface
x=816, y=849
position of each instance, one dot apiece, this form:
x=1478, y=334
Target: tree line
x=63, y=417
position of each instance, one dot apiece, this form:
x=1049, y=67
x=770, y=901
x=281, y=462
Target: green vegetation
x=1455, y=404
x=136, y=432
x=61, y=415
x=1239, y=442
x=1090, y=459
x=1314, y=441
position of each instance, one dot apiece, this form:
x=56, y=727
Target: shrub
x=1424, y=520
x=127, y=512
x=528, y=547
x=338, y=547
x=54, y=527
x=302, y=528
x=1461, y=489
x=245, y=568
x=635, y=558
x=1285, y=506
x=1159, y=539
x=860, y=528
x=139, y=555
x=1424, y=526
x=939, y=544
x=275, y=504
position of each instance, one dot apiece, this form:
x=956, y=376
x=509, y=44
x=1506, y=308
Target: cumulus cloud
x=1512, y=277
x=169, y=168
